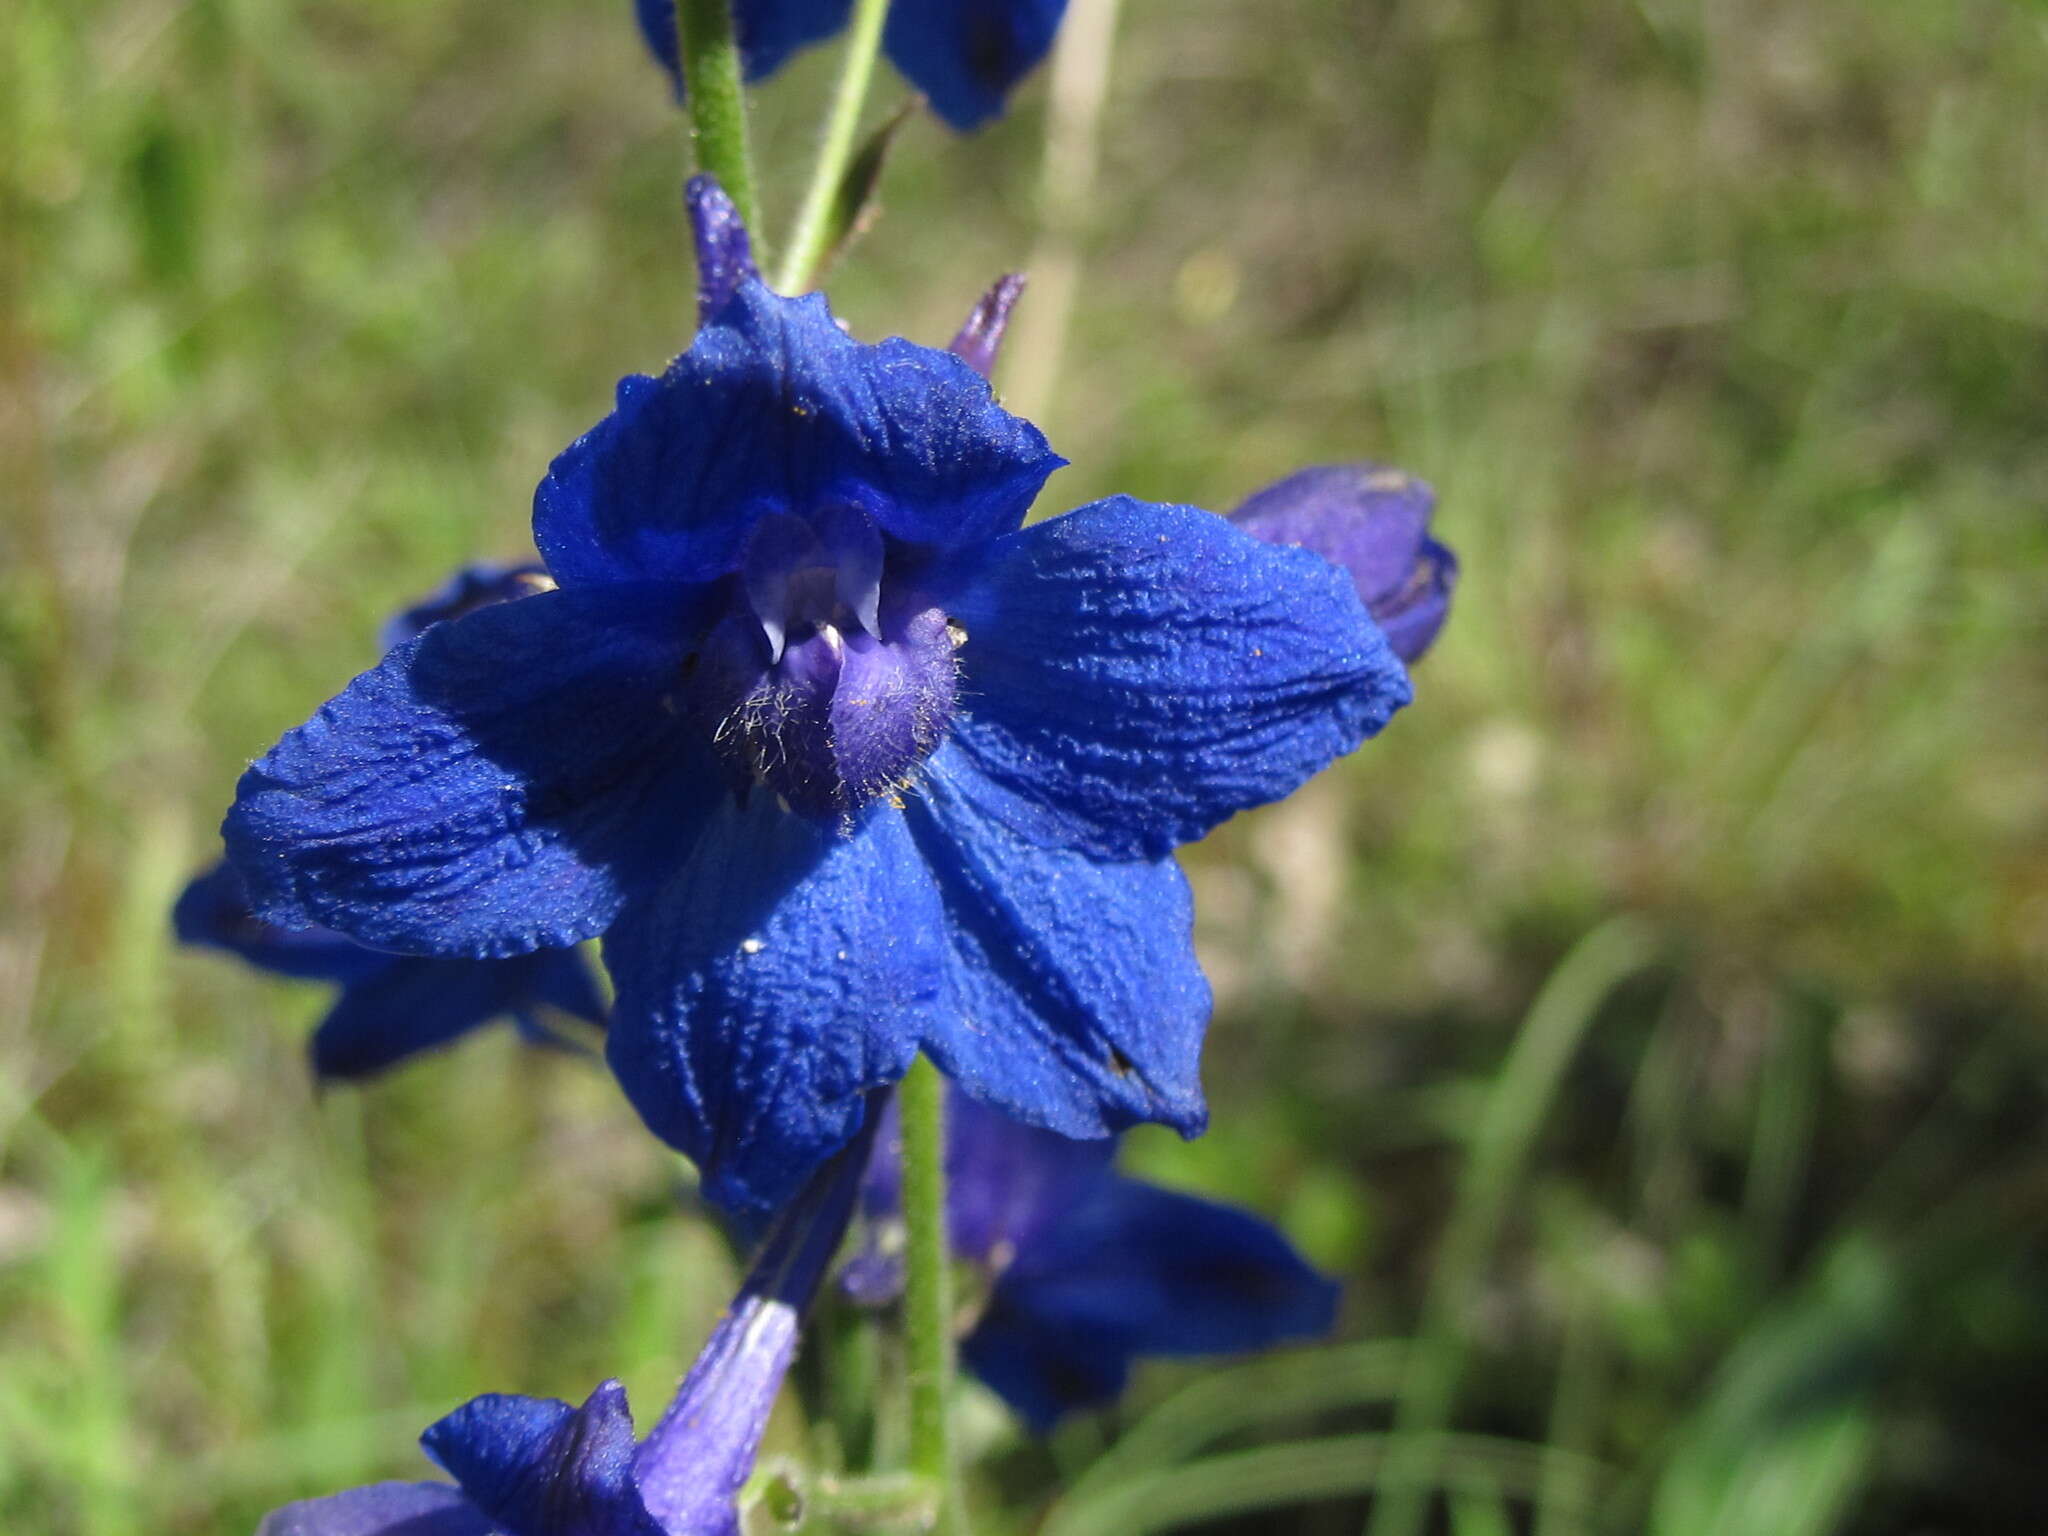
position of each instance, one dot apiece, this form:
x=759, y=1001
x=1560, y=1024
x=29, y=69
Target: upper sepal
x=470, y=588
x=1134, y=1270
x=775, y=409
x=214, y=912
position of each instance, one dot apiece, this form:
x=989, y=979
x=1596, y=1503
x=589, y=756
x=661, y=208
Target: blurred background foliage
x=1650, y=1026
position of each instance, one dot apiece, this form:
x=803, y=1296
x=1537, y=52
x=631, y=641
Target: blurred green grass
x=1718, y=325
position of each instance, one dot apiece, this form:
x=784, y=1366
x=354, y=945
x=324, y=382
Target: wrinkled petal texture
x=1073, y=1000
x=492, y=787
x=1134, y=674
x=1136, y=1270
x=965, y=55
x=784, y=971
x=381, y=1509
x=769, y=31
x=539, y=1467
x=775, y=408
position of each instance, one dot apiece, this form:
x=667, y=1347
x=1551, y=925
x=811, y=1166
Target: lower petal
x=782, y=973
x=1172, y=1274
x=414, y=1004
x=1073, y=998
x=1130, y=1271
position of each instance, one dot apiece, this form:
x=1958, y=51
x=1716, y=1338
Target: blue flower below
x=391, y=1006
x=529, y=1466
x=1088, y=1270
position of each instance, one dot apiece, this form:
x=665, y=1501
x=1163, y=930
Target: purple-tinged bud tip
x=691, y=1467
x=539, y=1467
x=981, y=338
x=725, y=254
x=1373, y=522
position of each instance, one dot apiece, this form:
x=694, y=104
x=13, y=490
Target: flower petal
x=769, y=31
x=539, y=1467
x=563, y=980
x=492, y=787
x=1134, y=674
x=415, y=1004
x=1374, y=522
x=775, y=408
x=381, y=1509
x=965, y=55
x=213, y=912
x=1005, y=1181
x=1136, y=1270
x=1073, y=1000
x=784, y=971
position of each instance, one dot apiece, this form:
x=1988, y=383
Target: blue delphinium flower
x=1374, y=522
x=1088, y=1270
x=842, y=761
x=527, y=1466
x=392, y=1006
x=964, y=55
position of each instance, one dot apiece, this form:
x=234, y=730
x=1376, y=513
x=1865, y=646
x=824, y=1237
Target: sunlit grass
x=1718, y=329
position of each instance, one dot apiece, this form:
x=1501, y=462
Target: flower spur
x=1087, y=1271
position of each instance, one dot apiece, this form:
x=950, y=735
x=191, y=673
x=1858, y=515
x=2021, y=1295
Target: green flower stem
x=710, y=53
x=809, y=240
x=928, y=1287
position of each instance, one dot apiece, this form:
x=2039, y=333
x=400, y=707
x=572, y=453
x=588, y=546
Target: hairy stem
x=928, y=1287
x=710, y=53
x=813, y=232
